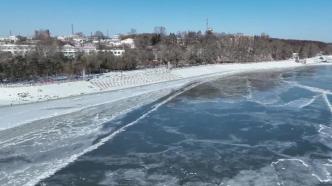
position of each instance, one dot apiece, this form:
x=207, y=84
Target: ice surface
x=37, y=150
x=254, y=129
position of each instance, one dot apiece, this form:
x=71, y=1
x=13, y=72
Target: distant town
x=43, y=56
x=70, y=45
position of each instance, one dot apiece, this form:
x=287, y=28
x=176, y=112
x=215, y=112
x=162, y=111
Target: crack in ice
x=322, y=92
x=310, y=88
x=111, y=136
x=327, y=102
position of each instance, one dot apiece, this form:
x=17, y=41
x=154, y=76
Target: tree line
x=181, y=49
x=195, y=48
x=34, y=66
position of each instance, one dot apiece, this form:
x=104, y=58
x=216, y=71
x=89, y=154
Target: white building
x=10, y=39
x=72, y=51
x=117, y=52
x=114, y=41
x=296, y=57
x=77, y=39
x=129, y=42
x=69, y=50
x=89, y=49
x=61, y=38
x=13, y=39
x=17, y=49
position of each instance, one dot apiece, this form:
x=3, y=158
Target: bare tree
x=160, y=30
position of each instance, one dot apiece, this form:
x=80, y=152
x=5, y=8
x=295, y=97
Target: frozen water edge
x=23, y=175
x=41, y=110
x=37, y=144
x=32, y=172
x=116, y=81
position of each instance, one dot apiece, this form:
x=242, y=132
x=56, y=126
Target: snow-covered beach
x=37, y=102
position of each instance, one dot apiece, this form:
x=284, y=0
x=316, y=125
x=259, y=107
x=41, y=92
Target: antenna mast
x=72, y=29
x=207, y=24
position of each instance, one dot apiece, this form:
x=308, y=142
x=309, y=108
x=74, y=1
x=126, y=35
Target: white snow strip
x=20, y=94
x=32, y=112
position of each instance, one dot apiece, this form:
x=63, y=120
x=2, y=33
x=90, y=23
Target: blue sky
x=297, y=19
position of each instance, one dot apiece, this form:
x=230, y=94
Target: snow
x=117, y=80
x=23, y=104
x=21, y=114
x=11, y=95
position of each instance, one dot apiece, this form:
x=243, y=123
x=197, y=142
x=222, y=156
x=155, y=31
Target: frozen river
x=263, y=128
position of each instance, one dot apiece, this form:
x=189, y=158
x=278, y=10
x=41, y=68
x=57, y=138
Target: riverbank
x=23, y=94
x=77, y=96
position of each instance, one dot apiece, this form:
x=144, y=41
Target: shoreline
x=109, y=82
x=30, y=112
